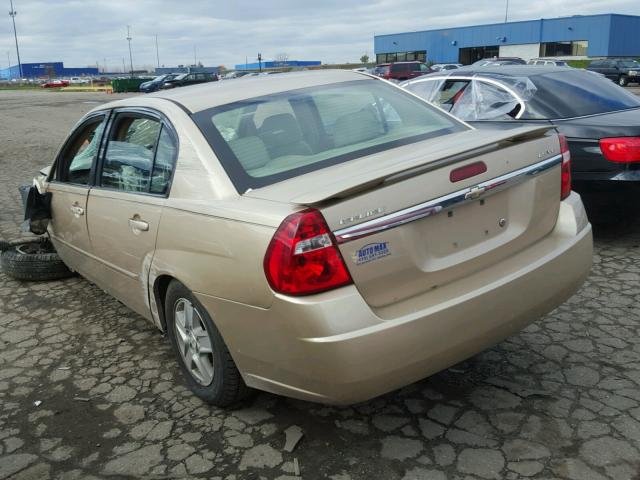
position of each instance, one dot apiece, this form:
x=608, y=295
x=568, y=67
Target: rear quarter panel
x=215, y=256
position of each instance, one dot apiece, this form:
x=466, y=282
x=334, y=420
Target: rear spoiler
x=361, y=181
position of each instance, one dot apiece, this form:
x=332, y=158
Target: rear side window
x=399, y=67
x=574, y=94
x=268, y=139
x=140, y=155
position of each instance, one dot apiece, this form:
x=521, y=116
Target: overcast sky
x=223, y=32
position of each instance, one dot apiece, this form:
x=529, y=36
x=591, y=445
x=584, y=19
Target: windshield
x=629, y=64
x=265, y=140
x=575, y=93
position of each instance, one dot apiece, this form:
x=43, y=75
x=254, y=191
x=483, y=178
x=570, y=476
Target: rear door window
x=140, y=155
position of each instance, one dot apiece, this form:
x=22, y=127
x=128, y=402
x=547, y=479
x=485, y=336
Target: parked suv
x=189, y=79
x=621, y=71
x=548, y=62
x=402, y=70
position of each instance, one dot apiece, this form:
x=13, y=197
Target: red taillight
x=565, y=188
x=621, y=149
x=303, y=258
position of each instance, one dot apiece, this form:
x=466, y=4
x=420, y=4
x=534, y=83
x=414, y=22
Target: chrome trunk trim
x=436, y=205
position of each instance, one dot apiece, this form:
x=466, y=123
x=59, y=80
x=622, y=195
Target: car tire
x=31, y=261
x=623, y=81
x=214, y=376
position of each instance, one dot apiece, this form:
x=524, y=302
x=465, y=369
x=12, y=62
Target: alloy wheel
x=194, y=341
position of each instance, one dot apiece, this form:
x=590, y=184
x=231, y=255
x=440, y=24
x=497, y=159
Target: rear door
x=69, y=184
x=610, y=69
x=190, y=79
x=125, y=206
x=596, y=66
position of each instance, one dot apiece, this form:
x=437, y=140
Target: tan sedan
x=321, y=235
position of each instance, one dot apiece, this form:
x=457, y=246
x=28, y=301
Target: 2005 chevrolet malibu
x=322, y=235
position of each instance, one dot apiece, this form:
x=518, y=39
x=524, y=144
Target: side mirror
x=45, y=171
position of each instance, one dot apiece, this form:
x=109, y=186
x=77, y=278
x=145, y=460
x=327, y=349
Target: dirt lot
x=559, y=400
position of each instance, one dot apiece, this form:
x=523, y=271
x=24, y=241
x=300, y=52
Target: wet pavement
x=88, y=389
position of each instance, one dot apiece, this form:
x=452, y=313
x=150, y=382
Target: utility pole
x=13, y=14
x=104, y=65
x=157, y=51
x=506, y=12
x=195, y=60
x=130, y=54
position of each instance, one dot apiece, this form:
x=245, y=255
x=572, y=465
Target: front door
x=126, y=203
x=69, y=185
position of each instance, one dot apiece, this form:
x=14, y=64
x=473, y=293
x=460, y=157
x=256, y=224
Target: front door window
x=77, y=158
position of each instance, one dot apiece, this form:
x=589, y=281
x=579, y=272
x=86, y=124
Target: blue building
x=266, y=65
x=45, y=70
x=579, y=37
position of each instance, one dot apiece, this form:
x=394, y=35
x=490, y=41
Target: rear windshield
x=574, y=94
x=264, y=140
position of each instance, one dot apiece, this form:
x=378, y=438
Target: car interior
x=281, y=135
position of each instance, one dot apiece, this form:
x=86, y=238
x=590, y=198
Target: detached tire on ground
x=33, y=261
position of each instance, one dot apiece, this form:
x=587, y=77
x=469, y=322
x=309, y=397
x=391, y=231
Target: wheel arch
x=159, y=294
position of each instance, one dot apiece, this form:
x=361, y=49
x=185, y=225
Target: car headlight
x=633, y=73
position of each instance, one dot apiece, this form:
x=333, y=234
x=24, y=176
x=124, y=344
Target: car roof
x=208, y=95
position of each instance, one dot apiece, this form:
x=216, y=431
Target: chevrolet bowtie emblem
x=474, y=192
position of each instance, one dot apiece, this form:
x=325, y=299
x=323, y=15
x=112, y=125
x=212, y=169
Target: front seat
x=282, y=136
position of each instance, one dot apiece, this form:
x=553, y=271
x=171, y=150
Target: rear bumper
x=333, y=348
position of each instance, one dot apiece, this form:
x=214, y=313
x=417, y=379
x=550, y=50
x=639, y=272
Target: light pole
x=13, y=14
x=506, y=12
x=157, y=51
x=130, y=54
x=260, y=61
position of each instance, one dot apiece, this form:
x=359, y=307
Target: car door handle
x=138, y=224
x=77, y=210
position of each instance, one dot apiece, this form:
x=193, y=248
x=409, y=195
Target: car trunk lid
x=431, y=231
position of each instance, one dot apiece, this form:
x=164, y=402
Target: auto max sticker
x=370, y=252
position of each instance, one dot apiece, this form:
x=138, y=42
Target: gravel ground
x=559, y=400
